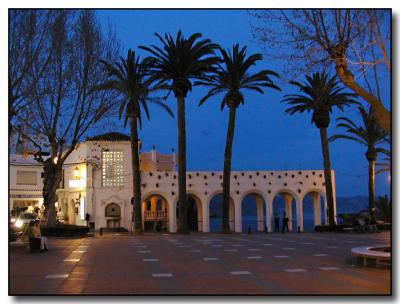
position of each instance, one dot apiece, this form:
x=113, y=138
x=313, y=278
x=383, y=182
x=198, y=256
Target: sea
x=249, y=211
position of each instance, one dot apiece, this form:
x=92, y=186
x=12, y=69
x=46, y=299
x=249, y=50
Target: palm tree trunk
x=371, y=189
x=227, y=170
x=137, y=196
x=328, y=175
x=182, y=199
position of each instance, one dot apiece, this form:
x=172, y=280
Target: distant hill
x=351, y=204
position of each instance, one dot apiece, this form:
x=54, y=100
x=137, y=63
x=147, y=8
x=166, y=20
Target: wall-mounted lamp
x=76, y=173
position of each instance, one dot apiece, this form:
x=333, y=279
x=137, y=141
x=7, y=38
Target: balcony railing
x=155, y=215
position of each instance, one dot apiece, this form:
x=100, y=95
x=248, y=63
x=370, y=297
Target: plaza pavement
x=199, y=263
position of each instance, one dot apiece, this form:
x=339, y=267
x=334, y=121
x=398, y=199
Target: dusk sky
x=266, y=138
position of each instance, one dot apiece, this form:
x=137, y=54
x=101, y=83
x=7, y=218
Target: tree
x=29, y=53
x=176, y=65
x=230, y=78
x=369, y=134
x=129, y=77
x=386, y=165
x=63, y=103
x=353, y=41
x=320, y=95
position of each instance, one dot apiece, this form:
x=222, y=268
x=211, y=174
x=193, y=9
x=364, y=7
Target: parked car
x=25, y=218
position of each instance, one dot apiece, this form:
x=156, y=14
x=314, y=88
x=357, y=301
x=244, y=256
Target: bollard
x=101, y=231
x=266, y=229
x=249, y=230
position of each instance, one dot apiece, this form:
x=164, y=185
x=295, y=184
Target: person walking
x=37, y=234
x=276, y=221
x=285, y=221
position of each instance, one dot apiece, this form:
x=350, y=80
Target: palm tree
x=369, y=134
x=320, y=96
x=129, y=77
x=231, y=77
x=386, y=165
x=175, y=66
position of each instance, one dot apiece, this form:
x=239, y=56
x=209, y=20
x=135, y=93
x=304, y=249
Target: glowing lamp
x=76, y=172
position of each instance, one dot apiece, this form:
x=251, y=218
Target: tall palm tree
x=130, y=77
x=230, y=78
x=320, y=95
x=386, y=165
x=175, y=65
x=369, y=134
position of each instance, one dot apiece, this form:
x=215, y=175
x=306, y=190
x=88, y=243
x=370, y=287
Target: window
x=26, y=178
x=112, y=171
x=148, y=205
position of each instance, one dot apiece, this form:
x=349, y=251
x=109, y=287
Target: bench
x=371, y=253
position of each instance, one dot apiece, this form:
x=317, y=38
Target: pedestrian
x=37, y=234
x=285, y=221
x=276, y=221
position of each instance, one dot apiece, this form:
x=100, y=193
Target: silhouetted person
x=285, y=221
x=276, y=221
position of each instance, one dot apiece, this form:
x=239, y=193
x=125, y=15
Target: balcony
x=155, y=215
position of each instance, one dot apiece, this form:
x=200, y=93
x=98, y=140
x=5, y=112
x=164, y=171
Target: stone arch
x=112, y=210
x=261, y=210
x=155, y=219
x=199, y=209
x=318, y=205
x=112, y=213
x=215, y=224
x=199, y=206
x=114, y=221
x=294, y=214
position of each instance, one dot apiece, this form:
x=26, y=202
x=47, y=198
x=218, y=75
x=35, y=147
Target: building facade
x=97, y=180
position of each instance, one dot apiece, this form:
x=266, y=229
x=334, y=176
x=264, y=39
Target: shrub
x=65, y=230
x=12, y=234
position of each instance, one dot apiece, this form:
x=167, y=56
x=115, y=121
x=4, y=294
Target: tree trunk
x=52, y=174
x=182, y=198
x=137, y=196
x=227, y=171
x=328, y=175
x=371, y=189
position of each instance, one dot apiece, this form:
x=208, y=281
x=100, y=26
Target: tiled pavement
x=291, y=263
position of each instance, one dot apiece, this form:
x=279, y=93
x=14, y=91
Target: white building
x=97, y=179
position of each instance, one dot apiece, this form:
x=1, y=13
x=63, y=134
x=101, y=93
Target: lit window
x=112, y=170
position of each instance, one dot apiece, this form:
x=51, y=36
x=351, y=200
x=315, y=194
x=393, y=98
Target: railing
x=155, y=215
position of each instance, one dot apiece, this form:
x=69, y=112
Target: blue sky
x=265, y=136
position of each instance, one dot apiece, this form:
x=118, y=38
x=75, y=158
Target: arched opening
x=284, y=204
x=314, y=210
x=253, y=212
x=155, y=213
x=215, y=211
x=112, y=214
x=194, y=213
